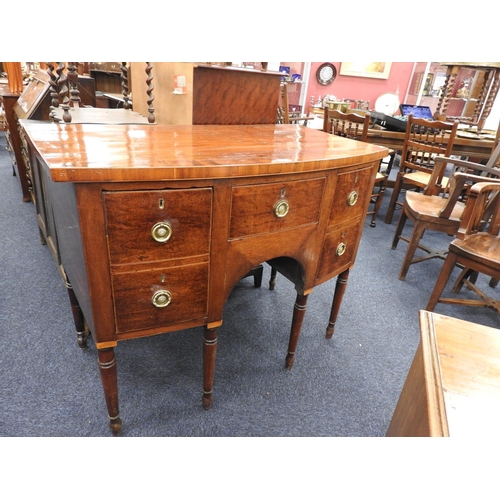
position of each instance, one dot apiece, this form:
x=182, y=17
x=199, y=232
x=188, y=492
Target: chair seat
x=480, y=247
x=379, y=177
x=422, y=178
x=424, y=207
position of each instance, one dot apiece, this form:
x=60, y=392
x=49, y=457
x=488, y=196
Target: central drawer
x=266, y=208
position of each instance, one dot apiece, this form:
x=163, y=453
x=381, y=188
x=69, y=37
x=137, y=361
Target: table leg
x=209, y=353
x=337, y=300
x=299, y=311
x=107, y=367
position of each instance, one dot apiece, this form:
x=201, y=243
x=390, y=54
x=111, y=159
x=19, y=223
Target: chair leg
x=378, y=202
x=416, y=236
x=401, y=224
x=444, y=276
x=394, y=198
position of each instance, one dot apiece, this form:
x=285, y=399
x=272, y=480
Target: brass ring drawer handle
x=352, y=198
x=161, y=298
x=341, y=249
x=161, y=232
x=281, y=208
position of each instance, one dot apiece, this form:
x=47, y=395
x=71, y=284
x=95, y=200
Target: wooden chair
x=439, y=210
x=424, y=141
x=354, y=126
x=284, y=114
x=476, y=248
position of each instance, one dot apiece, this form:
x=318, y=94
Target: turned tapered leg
x=209, y=354
x=272, y=280
x=82, y=333
x=107, y=367
x=299, y=311
x=337, y=300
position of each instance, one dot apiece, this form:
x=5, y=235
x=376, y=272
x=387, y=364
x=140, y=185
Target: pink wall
x=354, y=87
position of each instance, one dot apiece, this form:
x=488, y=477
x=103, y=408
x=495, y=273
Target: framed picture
x=32, y=95
x=366, y=69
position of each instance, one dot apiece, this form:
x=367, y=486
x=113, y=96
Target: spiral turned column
x=125, y=89
x=149, y=79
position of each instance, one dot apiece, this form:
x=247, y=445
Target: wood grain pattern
x=453, y=387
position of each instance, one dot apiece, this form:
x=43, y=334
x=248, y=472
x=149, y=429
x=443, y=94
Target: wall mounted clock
x=326, y=73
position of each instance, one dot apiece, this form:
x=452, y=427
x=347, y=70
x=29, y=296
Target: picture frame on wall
x=366, y=69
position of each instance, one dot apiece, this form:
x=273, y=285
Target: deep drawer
x=266, y=208
x=135, y=218
x=135, y=295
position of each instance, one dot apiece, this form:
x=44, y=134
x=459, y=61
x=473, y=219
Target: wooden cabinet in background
x=214, y=95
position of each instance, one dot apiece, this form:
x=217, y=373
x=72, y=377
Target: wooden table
x=111, y=116
x=453, y=387
x=474, y=148
x=156, y=224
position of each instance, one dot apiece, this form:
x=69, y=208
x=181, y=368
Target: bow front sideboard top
x=153, y=225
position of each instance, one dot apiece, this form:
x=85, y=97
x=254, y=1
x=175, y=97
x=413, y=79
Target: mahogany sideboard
x=154, y=225
x=453, y=386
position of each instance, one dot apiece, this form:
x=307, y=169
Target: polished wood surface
x=453, y=386
x=225, y=198
x=93, y=152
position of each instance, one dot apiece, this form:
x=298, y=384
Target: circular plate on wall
x=326, y=73
x=387, y=104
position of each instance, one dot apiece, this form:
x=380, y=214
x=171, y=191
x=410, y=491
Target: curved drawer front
x=338, y=251
x=159, y=297
x=151, y=225
x=353, y=189
x=266, y=208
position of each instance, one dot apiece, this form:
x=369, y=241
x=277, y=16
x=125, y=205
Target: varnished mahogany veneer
x=228, y=197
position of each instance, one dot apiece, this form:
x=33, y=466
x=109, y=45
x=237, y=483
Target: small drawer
x=351, y=194
x=160, y=297
x=339, y=249
x=148, y=226
x=267, y=208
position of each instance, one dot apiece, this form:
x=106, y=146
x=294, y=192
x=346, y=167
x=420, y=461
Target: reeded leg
x=209, y=353
x=299, y=311
x=82, y=332
x=337, y=300
x=107, y=367
x=272, y=281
